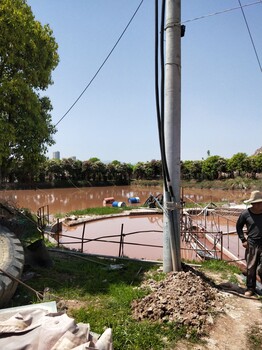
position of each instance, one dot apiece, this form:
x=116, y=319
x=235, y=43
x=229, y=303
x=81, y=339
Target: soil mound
x=183, y=297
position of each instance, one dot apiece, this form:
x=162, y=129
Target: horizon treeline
x=93, y=172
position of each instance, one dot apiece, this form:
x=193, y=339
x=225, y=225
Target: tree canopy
x=28, y=55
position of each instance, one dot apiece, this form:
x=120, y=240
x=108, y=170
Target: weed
x=254, y=338
x=221, y=266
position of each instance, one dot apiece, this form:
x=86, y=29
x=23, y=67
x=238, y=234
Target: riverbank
x=238, y=183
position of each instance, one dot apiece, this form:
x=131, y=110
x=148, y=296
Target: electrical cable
x=162, y=63
x=159, y=106
x=103, y=63
x=157, y=85
x=169, y=195
x=250, y=35
x=162, y=58
x=221, y=12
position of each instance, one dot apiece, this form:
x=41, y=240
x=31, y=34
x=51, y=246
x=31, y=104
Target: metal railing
x=42, y=215
x=216, y=231
x=205, y=236
x=115, y=239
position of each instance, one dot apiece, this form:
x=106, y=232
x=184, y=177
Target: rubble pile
x=184, y=298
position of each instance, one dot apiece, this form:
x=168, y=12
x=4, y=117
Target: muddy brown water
x=69, y=199
x=142, y=236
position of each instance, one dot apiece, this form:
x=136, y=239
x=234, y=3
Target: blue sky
x=116, y=118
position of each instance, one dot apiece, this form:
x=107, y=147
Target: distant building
x=56, y=155
x=73, y=157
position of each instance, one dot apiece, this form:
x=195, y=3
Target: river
x=68, y=199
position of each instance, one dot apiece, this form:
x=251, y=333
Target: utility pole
x=172, y=132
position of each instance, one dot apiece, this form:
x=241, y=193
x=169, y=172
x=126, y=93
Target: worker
x=251, y=219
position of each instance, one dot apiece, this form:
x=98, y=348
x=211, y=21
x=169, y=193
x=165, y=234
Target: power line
x=250, y=35
x=187, y=21
x=101, y=66
x=221, y=12
x=233, y=9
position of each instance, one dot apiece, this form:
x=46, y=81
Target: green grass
x=105, y=290
x=226, y=270
x=105, y=295
x=220, y=266
x=99, y=211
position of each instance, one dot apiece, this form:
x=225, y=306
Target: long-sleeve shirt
x=253, y=224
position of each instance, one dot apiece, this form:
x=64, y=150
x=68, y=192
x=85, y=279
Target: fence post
x=121, y=250
x=58, y=239
x=83, y=235
x=47, y=208
x=221, y=233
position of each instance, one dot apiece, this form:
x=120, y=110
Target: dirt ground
x=218, y=310
x=231, y=328
x=241, y=318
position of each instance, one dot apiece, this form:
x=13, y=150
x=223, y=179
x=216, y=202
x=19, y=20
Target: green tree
x=153, y=169
x=124, y=173
x=28, y=55
x=187, y=170
x=94, y=160
x=87, y=170
x=54, y=170
x=258, y=162
x=252, y=169
x=237, y=164
x=211, y=167
x=94, y=170
x=222, y=168
x=140, y=171
x=99, y=171
x=111, y=170
x=72, y=168
x=191, y=169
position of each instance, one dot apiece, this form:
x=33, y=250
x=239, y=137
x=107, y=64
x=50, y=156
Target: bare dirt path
x=234, y=327
x=231, y=329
